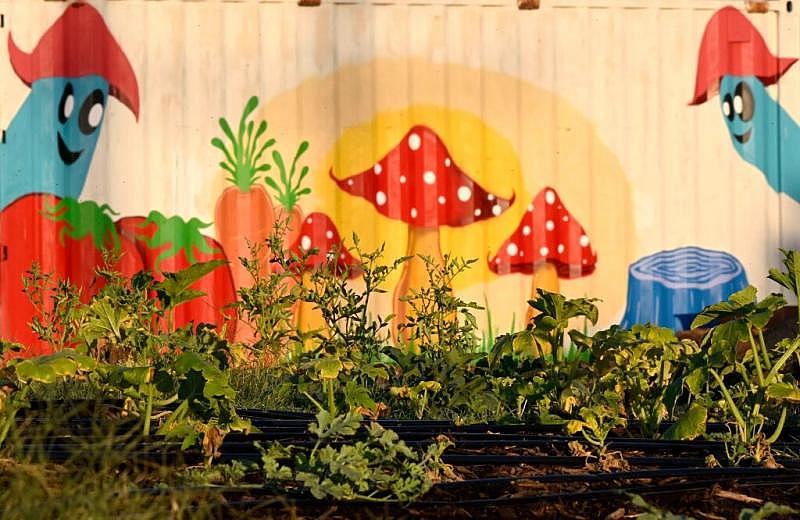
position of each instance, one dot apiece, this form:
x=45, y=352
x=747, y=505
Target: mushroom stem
x=421, y=241
x=544, y=277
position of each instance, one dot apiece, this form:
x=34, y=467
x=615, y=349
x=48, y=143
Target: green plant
x=754, y=383
x=602, y=415
x=535, y=359
x=378, y=467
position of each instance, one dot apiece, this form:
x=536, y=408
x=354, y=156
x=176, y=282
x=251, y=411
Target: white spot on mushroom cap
x=544, y=251
x=464, y=193
x=549, y=196
x=429, y=177
x=496, y=210
x=489, y=197
x=380, y=198
x=565, y=218
x=349, y=182
x=308, y=220
x=584, y=240
x=402, y=179
x=549, y=225
x=377, y=168
x=560, y=248
x=414, y=142
x=441, y=199
x=512, y=249
x=305, y=242
x=447, y=162
x=413, y=212
x=530, y=208
x=526, y=230
x=329, y=234
x=477, y=212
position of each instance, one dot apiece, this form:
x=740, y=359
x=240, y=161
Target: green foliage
x=242, y=158
x=376, y=467
x=766, y=511
x=755, y=385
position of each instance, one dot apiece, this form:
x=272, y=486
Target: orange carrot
x=244, y=212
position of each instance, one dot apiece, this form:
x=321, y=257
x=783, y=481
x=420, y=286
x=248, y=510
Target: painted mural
x=425, y=156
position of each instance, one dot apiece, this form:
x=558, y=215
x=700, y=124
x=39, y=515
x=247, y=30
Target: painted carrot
x=244, y=212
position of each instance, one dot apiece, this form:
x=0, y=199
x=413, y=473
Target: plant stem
x=736, y=414
x=777, y=433
x=767, y=361
x=149, y=408
x=756, y=357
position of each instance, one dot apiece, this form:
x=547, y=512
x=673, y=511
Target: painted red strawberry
x=66, y=238
x=171, y=245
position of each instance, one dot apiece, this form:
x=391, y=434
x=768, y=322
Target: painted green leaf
x=690, y=425
x=85, y=219
x=176, y=235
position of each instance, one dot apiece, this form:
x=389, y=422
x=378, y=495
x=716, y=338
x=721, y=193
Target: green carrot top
x=243, y=156
x=289, y=191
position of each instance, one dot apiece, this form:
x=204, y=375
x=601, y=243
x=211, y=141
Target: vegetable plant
x=753, y=380
x=376, y=466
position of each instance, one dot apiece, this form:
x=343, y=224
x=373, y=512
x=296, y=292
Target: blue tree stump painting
x=669, y=288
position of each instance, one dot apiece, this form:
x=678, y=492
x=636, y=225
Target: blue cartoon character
x=735, y=62
x=75, y=67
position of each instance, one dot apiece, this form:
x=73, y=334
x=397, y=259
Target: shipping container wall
x=642, y=152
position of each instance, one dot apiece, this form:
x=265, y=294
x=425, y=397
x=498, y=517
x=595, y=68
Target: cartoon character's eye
x=744, y=102
x=727, y=107
x=91, y=112
x=67, y=104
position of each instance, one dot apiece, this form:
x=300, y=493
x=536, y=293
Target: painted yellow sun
x=509, y=136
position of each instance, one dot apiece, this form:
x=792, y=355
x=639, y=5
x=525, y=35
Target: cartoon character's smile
x=67, y=155
x=743, y=138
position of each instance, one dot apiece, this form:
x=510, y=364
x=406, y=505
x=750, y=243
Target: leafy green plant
x=379, y=467
x=598, y=419
x=755, y=382
x=535, y=358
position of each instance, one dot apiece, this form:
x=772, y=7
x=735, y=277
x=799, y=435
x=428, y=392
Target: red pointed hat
x=79, y=44
x=733, y=46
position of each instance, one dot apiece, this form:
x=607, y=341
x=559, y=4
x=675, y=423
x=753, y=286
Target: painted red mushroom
x=419, y=183
x=320, y=244
x=548, y=243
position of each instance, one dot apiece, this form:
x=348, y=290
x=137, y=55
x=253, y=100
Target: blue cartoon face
x=51, y=140
x=743, y=103
x=77, y=115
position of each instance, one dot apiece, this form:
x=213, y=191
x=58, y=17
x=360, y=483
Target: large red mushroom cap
x=78, y=44
x=547, y=233
x=732, y=46
x=320, y=240
x=419, y=183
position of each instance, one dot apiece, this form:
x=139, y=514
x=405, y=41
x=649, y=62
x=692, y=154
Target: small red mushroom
x=419, y=183
x=320, y=244
x=548, y=243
